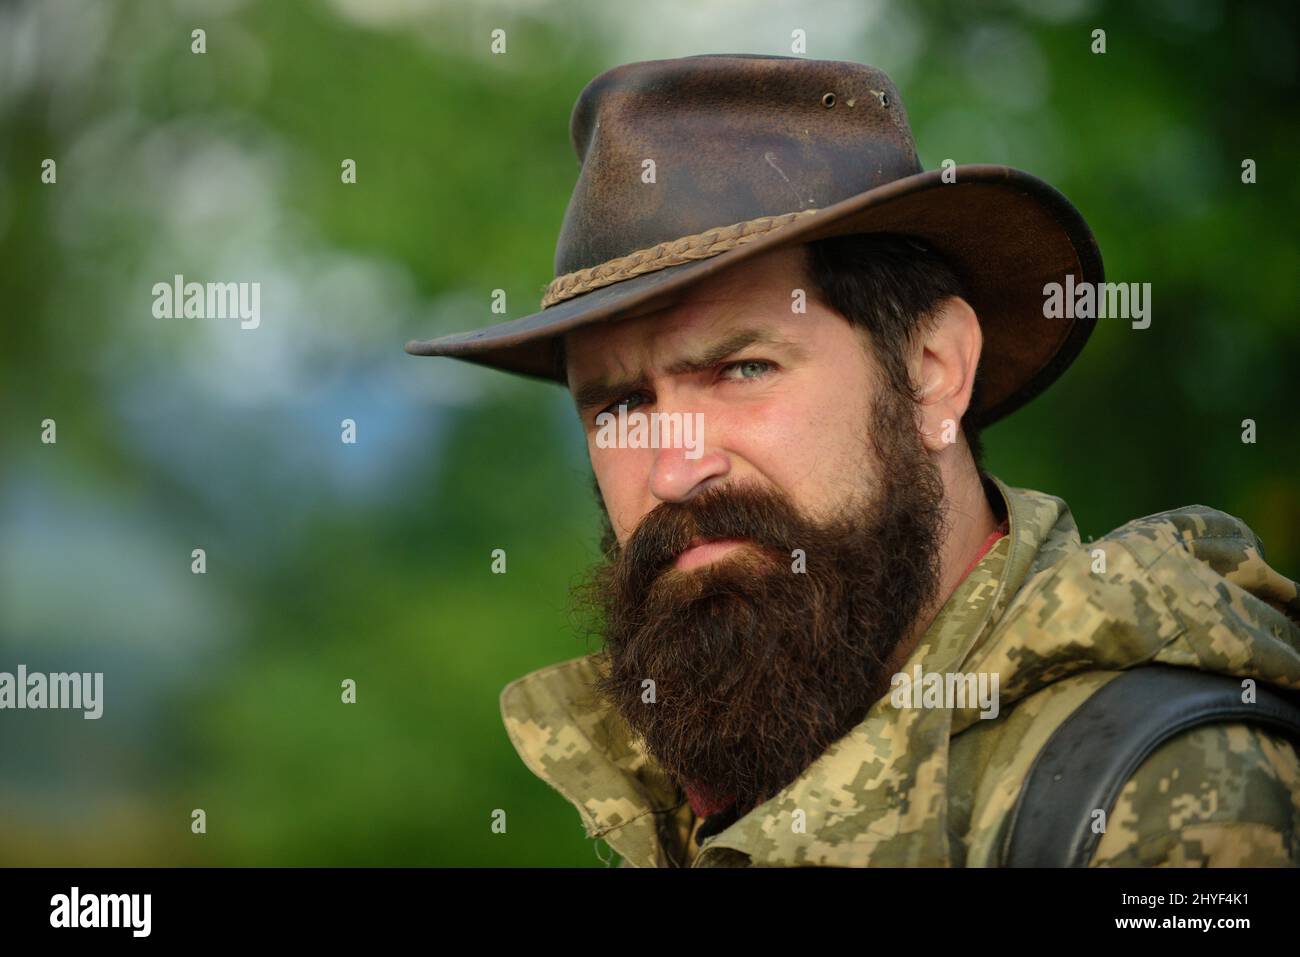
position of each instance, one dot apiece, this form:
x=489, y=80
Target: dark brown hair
x=889, y=286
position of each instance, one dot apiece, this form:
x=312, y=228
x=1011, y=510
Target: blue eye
x=747, y=369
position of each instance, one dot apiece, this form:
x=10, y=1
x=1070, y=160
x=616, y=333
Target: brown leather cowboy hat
x=750, y=153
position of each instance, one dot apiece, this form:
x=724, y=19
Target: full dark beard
x=757, y=667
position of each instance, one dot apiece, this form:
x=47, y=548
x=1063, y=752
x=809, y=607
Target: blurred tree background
x=371, y=561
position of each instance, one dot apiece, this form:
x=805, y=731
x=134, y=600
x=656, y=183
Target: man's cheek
x=624, y=475
x=624, y=509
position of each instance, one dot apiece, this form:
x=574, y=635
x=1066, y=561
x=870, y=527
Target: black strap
x=1093, y=753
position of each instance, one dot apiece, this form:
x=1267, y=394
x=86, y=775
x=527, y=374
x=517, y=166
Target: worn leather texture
x=737, y=137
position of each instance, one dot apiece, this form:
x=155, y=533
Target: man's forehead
x=629, y=347
x=672, y=348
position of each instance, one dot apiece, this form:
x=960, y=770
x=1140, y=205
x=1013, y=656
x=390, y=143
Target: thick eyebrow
x=602, y=393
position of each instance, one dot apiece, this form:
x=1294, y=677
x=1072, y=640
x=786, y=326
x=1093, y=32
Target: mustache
x=747, y=511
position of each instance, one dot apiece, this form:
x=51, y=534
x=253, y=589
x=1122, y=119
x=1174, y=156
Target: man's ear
x=944, y=369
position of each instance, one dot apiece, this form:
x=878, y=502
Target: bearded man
x=796, y=614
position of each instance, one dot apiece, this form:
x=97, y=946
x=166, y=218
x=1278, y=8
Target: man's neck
x=971, y=520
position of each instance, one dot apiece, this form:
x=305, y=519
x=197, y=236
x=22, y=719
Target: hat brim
x=1009, y=232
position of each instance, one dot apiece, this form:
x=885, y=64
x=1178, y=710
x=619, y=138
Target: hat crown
x=672, y=148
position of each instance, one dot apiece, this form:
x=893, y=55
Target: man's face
x=784, y=395
x=754, y=593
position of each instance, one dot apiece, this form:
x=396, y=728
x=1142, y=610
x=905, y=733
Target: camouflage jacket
x=934, y=786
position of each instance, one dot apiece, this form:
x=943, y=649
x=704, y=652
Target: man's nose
x=677, y=476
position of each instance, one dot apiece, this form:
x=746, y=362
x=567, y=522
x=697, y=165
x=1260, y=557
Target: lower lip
x=708, y=552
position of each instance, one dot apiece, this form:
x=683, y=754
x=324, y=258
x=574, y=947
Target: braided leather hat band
x=711, y=242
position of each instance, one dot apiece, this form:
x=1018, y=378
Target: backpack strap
x=1092, y=754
